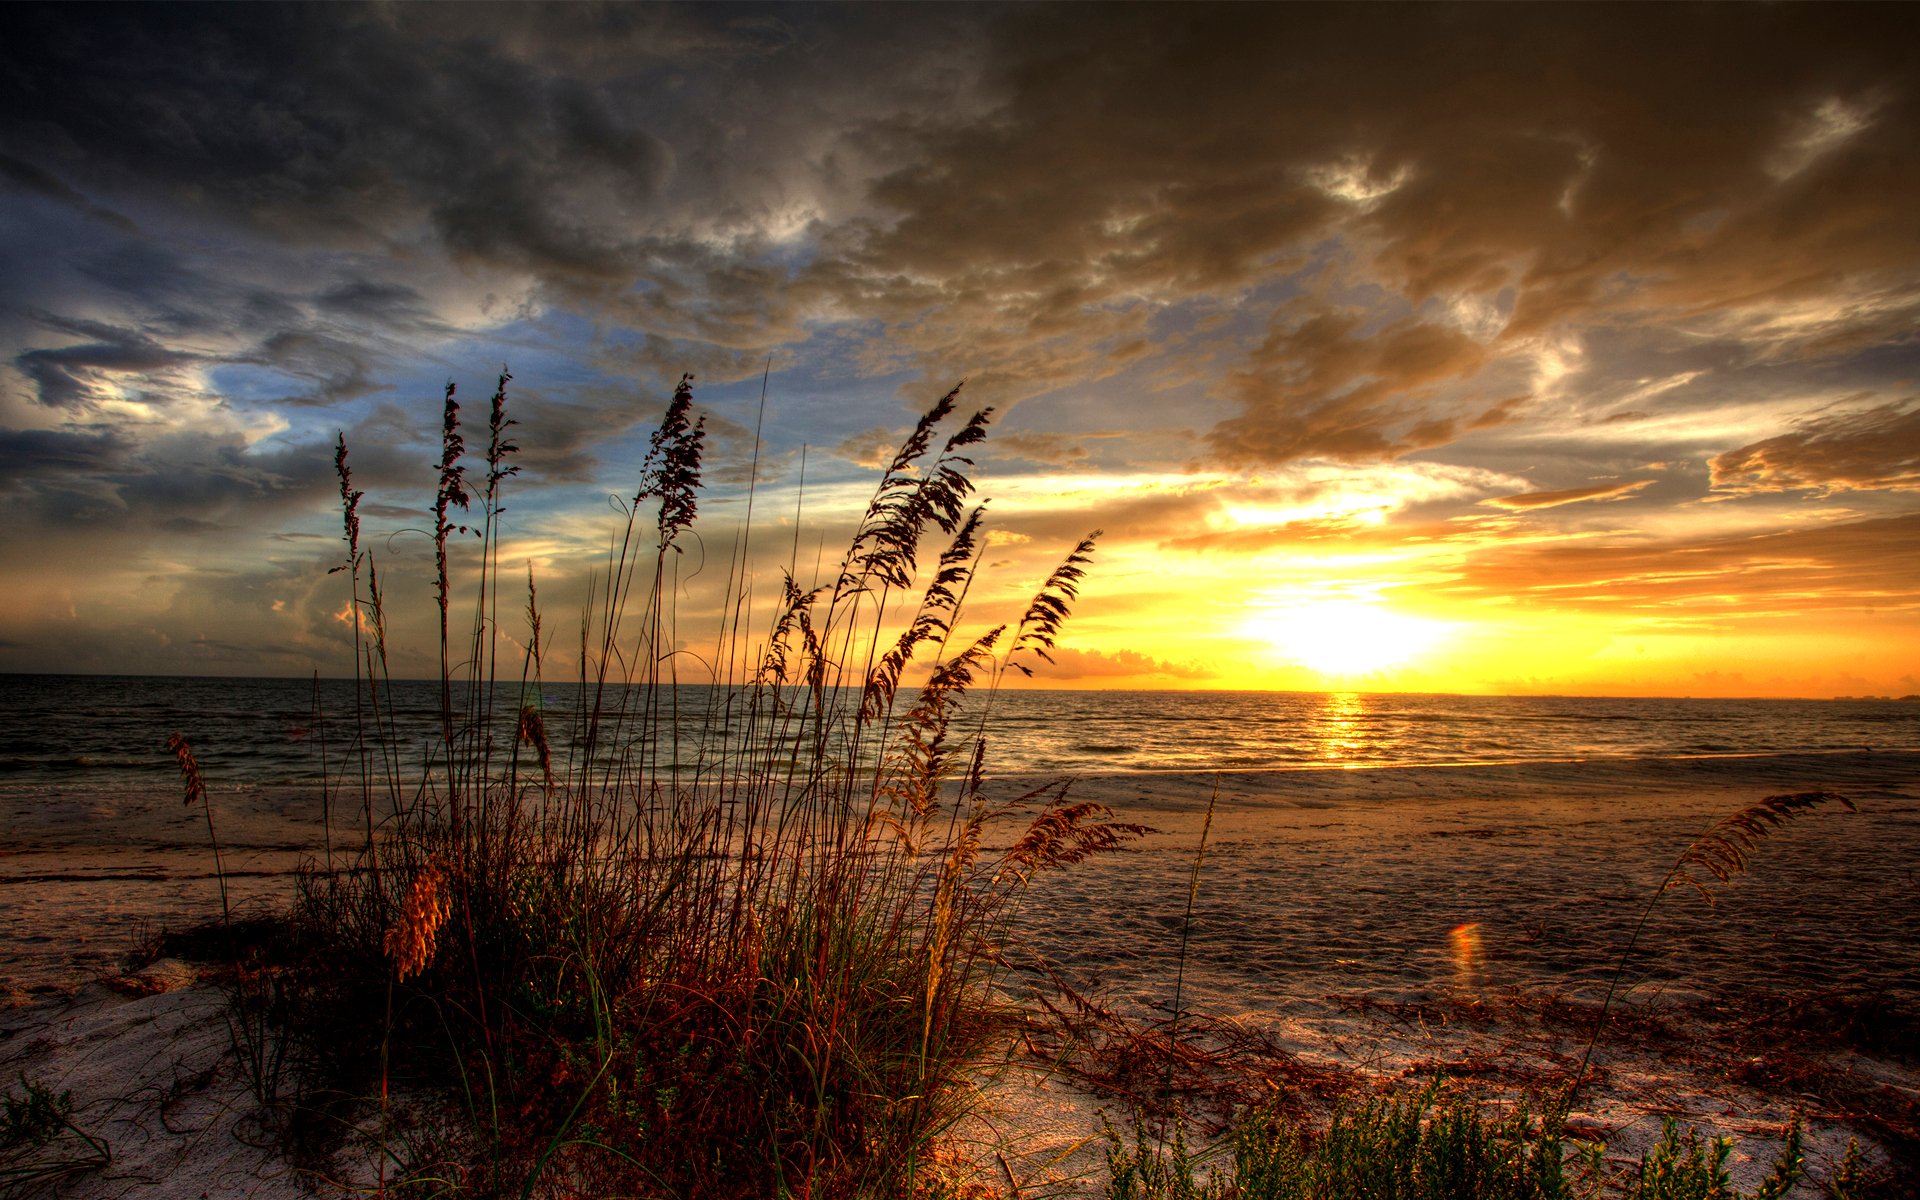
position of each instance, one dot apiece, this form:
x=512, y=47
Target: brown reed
x=194, y=788
x=1721, y=852
x=733, y=943
x=410, y=942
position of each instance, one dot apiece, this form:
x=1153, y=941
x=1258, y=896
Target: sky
x=1453, y=348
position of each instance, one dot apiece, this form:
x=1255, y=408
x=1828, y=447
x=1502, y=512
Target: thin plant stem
x=1186, y=928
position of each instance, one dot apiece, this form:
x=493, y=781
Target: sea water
x=109, y=730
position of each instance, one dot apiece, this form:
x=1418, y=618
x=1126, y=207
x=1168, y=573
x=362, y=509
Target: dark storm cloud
x=198, y=474
x=329, y=122
x=1875, y=449
x=1602, y=164
x=393, y=304
x=29, y=178
x=556, y=436
x=1370, y=218
x=88, y=481
x=664, y=359
x=338, y=369
x=66, y=376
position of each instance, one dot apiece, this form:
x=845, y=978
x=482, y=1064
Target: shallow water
x=1412, y=884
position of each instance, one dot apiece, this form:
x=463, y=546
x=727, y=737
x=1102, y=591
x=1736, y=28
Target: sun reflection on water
x=1339, y=728
x=1467, y=953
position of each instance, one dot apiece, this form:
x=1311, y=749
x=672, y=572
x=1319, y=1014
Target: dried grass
x=1723, y=850
x=745, y=949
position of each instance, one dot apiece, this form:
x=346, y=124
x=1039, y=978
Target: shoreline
x=161, y=778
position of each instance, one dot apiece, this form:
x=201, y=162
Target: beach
x=1397, y=923
x=1368, y=927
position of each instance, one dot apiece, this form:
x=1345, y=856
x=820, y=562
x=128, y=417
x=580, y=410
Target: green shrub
x=1387, y=1149
x=1424, y=1148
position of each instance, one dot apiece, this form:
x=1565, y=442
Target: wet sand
x=1333, y=882
x=86, y=872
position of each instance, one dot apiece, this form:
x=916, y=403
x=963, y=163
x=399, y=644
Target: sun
x=1346, y=637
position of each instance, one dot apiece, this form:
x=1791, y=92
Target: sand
x=1375, y=926
x=1328, y=904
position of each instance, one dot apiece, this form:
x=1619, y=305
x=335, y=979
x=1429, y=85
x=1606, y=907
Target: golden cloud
x=1531, y=500
x=1878, y=449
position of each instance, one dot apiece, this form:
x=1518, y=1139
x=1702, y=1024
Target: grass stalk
x=1722, y=853
x=732, y=942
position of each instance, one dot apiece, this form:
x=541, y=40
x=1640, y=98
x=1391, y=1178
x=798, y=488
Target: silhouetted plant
x=740, y=949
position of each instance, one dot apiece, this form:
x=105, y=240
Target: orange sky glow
x=1559, y=349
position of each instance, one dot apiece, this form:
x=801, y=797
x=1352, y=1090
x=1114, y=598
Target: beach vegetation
x=1721, y=853
x=39, y=1143
x=743, y=936
x=1429, y=1147
x=738, y=936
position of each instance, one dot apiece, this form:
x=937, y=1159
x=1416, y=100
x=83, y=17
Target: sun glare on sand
x=1346, y=637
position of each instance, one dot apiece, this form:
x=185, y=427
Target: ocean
x=86, y=730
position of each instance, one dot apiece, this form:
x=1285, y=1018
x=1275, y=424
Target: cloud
x=1705, y=580
x=1120, y=664
x=393, y=304
x=1315, y=390
x=1346, y=529
x=1874, y=449
x=339, y=370
x=42, y=453
x=71, y=377
x=1532, y=500
x=1015, y=194
x=41, y=182
x=64, y=487
x=344, y=122
x=392, y=512
x=1514, y=201
x=871, y=448
x=1336, y=239
x=1053, y=449
x=1503, y=413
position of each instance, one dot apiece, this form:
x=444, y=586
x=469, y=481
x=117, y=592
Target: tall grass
x=734, y=941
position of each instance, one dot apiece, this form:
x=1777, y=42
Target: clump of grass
x=39, y=1143
x=1424, y=1147
x=1417, y=1148
x=733, y=941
